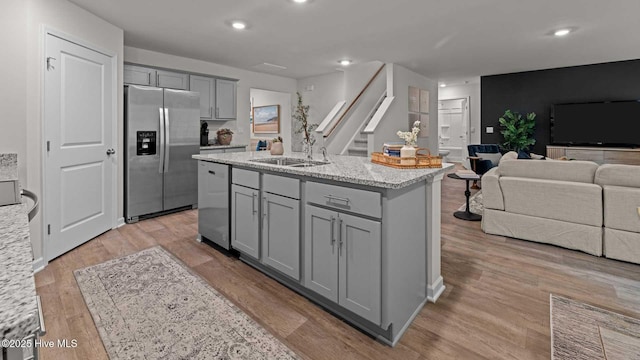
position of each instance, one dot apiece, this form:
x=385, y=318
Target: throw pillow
x=511, y=155
x=537, y=157
x=523, y=155
x=493, y=157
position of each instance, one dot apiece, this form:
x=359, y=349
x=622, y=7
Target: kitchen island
x=361, y=240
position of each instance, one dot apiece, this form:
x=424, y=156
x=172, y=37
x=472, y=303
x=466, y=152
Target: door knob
x=110, y=151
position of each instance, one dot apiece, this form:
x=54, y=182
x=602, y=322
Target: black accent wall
x=537, y=91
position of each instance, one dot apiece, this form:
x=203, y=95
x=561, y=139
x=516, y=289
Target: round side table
x=466, y=214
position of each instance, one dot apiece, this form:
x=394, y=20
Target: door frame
x=467, y=122
x=46, y=31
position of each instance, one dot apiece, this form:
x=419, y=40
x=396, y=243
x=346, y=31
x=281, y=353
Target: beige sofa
x=552, y=202
x=621, y=194
x=574, y=204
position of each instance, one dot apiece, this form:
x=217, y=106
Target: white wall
x=472, y=91
x=247, y=80
x=397, y=116
x=266, y=97
x=65, y=17
x=13, y=87
x=327, y=91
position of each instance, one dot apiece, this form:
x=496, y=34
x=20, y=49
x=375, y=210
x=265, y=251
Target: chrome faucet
x=324, y=154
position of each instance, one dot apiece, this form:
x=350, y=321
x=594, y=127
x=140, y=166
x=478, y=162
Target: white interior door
x=79, y=163
x=453, y=115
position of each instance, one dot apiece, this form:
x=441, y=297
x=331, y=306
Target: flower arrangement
x=224, y=131
x=410, y=137
x=276, y=140
x=301, y=115
x=224, y=136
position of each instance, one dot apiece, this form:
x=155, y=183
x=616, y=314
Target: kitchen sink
x=292, y=162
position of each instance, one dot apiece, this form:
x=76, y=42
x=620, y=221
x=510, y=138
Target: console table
x=600, y=155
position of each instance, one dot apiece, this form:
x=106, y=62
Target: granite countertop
x=18, y=308
x=349, y=169
x=212, y=147
x=8, y=167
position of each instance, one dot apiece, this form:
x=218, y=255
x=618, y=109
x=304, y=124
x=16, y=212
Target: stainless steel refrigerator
x=162, y=131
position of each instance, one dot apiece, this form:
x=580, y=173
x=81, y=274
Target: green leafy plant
x=517, y=130
x=301, y=116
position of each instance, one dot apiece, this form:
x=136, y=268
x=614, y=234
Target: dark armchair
x=483, y=157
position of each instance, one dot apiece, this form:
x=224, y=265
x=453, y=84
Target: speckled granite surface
x=213, y=147
x=8, y=167
x=348, y=169
x=18, y=308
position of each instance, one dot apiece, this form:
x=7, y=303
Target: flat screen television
x=613, y=123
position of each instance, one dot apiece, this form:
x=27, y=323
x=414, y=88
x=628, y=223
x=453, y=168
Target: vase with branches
x=301, y=116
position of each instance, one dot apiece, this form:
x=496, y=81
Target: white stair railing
x=366, y=122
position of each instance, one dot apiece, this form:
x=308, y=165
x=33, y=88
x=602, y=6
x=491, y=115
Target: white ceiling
x=449, y=40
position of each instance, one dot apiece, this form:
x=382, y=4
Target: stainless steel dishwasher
x=213, y=203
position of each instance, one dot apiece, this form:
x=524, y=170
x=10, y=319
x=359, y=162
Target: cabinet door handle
x=149, y=81
x=337, y=198
x=212, y=172
x=333, y=233
x=217, y=111
x=264, y=207
x=253, y=203
x=210, y=111
x=340, y=237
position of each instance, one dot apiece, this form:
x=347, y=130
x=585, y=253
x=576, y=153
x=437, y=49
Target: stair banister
x=344, y=114
x=329, y=118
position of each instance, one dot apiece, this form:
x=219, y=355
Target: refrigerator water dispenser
x=146, y=143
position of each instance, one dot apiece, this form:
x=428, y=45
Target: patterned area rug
x=475, y=204
x=584, y=332
x=149, y=305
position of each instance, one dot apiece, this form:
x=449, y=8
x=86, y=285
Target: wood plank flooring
x=495, y=306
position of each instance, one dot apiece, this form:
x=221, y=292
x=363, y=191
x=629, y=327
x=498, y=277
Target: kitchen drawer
x=232, y=150
x=246, y=178
x=342, y=198
x=281, y=185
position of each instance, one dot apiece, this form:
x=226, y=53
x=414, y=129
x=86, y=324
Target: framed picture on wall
x=414, y=99
x=266, y=119
x=424, y=126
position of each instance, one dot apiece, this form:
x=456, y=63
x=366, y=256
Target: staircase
x=358, y=146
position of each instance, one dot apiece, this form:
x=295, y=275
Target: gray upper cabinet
x=225, y=99
x=321, y=252
x=281, y=234
x=360, y=268
x=206, y=87
x=172, y=80
x=139, y=75
x=245, y=220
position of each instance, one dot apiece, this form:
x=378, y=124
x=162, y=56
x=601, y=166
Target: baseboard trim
x=435, y=290
x=408, y=323
x=119, y=222
x=38, y=265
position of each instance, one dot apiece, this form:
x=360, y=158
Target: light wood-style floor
x=495, y=306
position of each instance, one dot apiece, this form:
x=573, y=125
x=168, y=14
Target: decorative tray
x=420, y=161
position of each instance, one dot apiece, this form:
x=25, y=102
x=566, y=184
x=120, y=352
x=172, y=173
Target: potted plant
x=224, y=136
x=517, y=130
x=276, y=146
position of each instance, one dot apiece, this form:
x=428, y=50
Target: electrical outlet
x=489, y=129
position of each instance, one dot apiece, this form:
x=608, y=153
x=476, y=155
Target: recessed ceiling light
x=300, y=1
x=562, y=32
x=443, y=85
x=345, y=62
x=239, y=25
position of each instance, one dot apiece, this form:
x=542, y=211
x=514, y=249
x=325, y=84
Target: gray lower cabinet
x=245, y=220
x=343, y=260
x=281, y=234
